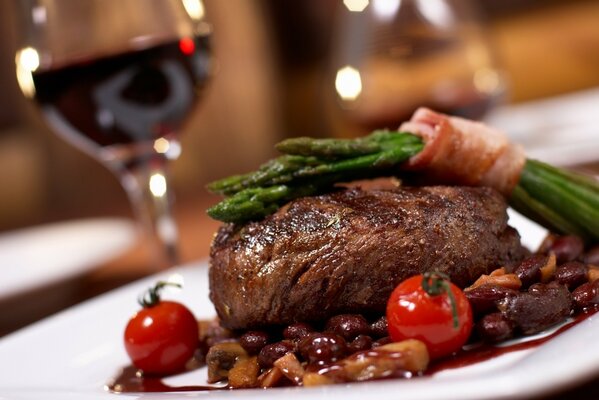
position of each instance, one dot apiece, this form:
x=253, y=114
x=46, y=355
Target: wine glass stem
x=147, y=186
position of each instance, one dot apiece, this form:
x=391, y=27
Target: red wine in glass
x=128, y=98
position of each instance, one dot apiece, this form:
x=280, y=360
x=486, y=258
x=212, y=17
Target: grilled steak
x=346, y=251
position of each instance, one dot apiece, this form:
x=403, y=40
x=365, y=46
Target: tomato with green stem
x=162, y=336
x=431, y=309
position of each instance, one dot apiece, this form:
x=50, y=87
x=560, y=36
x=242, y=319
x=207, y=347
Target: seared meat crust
x=346, y=251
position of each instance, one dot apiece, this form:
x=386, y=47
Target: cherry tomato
x=412, y=313
x=161, y=337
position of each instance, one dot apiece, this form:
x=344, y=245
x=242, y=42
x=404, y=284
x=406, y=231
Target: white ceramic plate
x=73, y=354
x=35, y=257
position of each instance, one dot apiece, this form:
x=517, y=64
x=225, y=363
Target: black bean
x=348, y=326
x=586, y=295
x=572, y=274
x=360, y=343
x=541, y=307
x=382, y=341
x=529, y=270
x=495, y=328
x=567, y=248
x=546, y=288
x=592, y=256
x=322, y=348
x=378, y=328
x=272, y=352
x=253, y=341
x=297, y=331
x=484, y=298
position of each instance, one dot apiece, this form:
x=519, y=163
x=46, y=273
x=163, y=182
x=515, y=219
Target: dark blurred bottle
x=390, y=57
x=350, y=66
x=301, y=34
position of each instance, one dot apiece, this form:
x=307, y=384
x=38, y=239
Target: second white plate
x=35, y=257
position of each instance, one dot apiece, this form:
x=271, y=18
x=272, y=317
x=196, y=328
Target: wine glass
x=390, y=57
x=117, y=79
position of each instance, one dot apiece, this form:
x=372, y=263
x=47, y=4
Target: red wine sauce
x=131, y=381
x=485, y=352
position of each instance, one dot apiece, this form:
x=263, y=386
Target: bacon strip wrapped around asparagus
x=464, y=152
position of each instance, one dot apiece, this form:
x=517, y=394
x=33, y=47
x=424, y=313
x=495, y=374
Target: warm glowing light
x=385, y=9
x=39, y=15
x=174, y=150
x=27, y=61
x=195, y=9
x=356, y=5
x=171, y=148
x=158, y=185
x=161, y=145
x=348, y=83
x=187, y=46
x=25, y=81
x=486, y=80
x=436, y=12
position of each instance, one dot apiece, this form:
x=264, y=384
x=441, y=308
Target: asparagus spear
x=559, y=199
x=539, y=212
x=379, y=140
x=310, y=158
x=255, y=203
x=312, y=166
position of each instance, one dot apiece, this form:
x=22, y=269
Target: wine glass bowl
x=117, y=80
x=394, y=56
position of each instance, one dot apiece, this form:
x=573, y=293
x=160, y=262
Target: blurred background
x=311, y=67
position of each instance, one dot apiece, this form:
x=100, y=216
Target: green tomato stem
x=437, y=283
x=151, y=297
